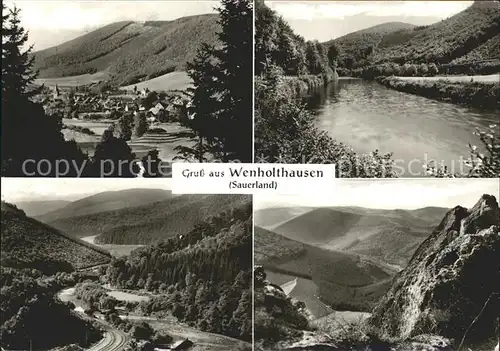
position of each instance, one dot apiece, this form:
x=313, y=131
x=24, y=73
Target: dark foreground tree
x=221, y=110
x=30, y=137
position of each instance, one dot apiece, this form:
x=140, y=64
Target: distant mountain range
x=105, y=201
x=344, y=257
x=130, y=51
x=28, y=243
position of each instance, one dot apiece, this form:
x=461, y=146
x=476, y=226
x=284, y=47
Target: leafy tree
x=314, y=61
x=140, y=124
x=162, y=116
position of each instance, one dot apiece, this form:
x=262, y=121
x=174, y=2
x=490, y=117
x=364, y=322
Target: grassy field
x=73, y=81
x=169, y=81
x=165, y=143
x=491, y=78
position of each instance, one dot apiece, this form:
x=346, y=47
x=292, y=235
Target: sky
x=53, y=22
x=326, y=20
x=311, y=10
x=70, y=189
x=392, y=194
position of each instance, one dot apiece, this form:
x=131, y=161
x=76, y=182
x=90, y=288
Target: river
x=369, y=116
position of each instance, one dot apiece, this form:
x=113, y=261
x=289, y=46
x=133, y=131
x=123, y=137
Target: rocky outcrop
x=451, y=285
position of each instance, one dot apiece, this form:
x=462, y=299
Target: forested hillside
x=130, y=51
x=203, y=276
x=27, y=243
x=106, y=201
x=149, y=223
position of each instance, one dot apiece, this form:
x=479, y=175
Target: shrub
x=410, y=70
x=80, y=129
x=142, y=331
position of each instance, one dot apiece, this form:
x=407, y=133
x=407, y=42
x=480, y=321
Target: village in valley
x=88, y=111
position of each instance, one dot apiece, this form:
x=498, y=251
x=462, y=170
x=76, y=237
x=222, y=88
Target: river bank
x=485, y=95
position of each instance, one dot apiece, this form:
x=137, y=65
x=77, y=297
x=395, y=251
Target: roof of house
x=180, y=343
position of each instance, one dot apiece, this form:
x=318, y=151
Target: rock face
x=453, y=277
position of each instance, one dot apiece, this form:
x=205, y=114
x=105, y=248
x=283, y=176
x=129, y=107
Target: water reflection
x=368, y=116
